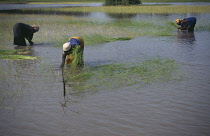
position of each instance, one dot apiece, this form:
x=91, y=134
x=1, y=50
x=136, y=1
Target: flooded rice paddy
x=32, y=101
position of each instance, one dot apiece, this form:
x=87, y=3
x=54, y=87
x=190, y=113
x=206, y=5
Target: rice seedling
x=17, y=57
x=203, y=27
x=77, y=53
x=23, y=77
x=18, y=54
x=112, y=76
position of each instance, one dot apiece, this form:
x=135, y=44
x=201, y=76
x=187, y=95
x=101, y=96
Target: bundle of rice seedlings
x=77, y=53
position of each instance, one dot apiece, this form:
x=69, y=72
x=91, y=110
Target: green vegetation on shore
x=91, y=1
x=54, y=1
x=143, y=9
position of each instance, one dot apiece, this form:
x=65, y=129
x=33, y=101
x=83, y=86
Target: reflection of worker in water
x=68, y=48
x=186, y=38
x=22, y=31
x=186, y=24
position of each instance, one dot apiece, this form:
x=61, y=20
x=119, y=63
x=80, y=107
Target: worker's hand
x=62, y=65
x=31, y=43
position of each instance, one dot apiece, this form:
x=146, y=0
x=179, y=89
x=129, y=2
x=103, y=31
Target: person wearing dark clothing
x=186, y=24
x=23, y=31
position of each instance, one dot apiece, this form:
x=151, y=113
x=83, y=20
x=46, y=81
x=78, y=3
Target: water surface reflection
x=186, y=38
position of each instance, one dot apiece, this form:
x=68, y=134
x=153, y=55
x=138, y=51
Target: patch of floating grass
x=122, y=38
x=203, y=27
x=18, y=54
x=97, y=38
x=7, y=52
x=111, y=76
x=17, y=57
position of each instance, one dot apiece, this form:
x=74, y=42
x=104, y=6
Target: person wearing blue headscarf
x=68, y=48
x=186, y=24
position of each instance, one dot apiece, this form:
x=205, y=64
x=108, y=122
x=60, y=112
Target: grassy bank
x=91, y=1
x=161, y=9
x=49, y=1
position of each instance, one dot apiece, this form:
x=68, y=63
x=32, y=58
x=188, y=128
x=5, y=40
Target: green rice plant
x=21, y=78
x=97, y=38
x=172, y=23
x=112, y=76
x=18, y=54
x=16, y=57
x=77, y=53
x=203, y=27
x=6, y=52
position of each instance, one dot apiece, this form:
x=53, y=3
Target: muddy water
x=36, y=105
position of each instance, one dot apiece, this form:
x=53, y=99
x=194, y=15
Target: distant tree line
x=122, y=2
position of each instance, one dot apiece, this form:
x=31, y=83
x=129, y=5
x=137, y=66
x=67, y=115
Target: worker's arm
x=188, y=27
x=63, y=60
x=183, y=25
x=29, y=38
x=182, y=28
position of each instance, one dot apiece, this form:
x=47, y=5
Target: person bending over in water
x=68, y=48
x=186, y=24
x=22, y=31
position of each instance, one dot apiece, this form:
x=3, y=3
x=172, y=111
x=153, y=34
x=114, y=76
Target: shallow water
x=36, y=105
x=29, y=6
